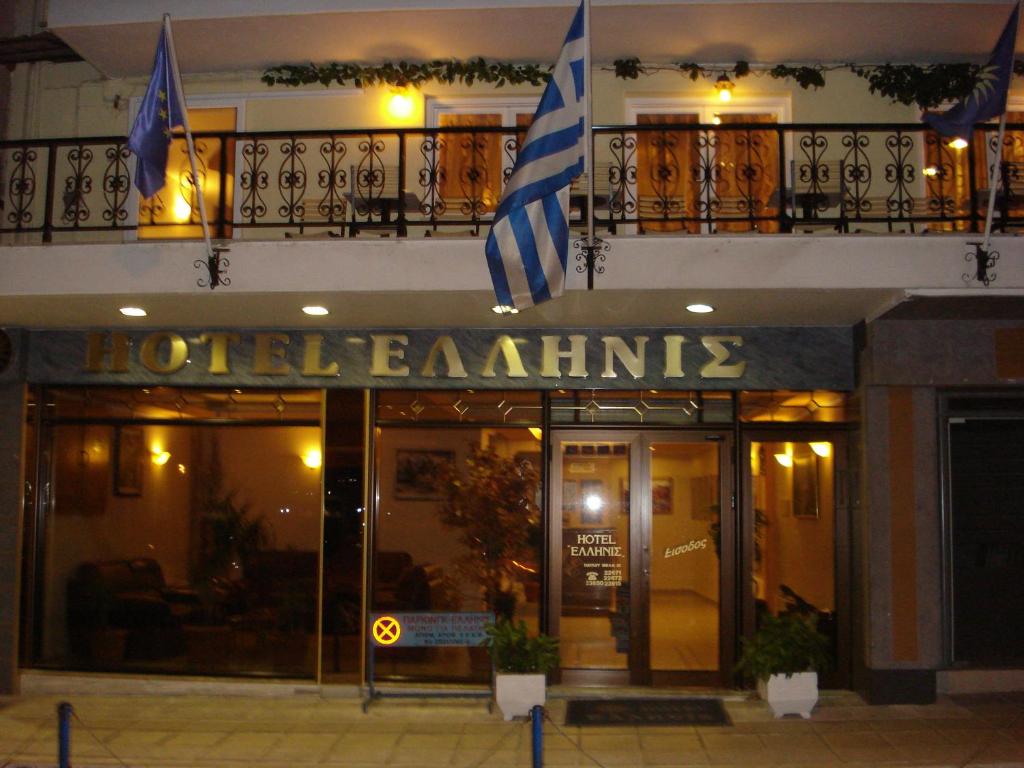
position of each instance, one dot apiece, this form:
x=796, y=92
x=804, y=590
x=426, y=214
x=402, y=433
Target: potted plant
x=784, y=656
x=492, y=501
x=521, y=664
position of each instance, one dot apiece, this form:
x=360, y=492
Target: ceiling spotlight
x=315, y=310
x=133, y=311
x=958, y=143
x=699, y=309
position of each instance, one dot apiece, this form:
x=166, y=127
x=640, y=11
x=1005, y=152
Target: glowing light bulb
x=313, y=458
x=822, y=449
x=784, y=459
x=958, y=144
x=182, y=209
x=400, y=106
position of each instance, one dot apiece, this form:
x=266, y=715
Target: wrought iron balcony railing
x=649, y=179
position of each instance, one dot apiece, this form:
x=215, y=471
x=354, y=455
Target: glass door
x=684, y=506
x=637, y=590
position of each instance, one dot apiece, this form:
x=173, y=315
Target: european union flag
x=158, y=114
x=988, y=99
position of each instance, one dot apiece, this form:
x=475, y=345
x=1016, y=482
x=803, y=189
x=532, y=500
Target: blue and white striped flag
x=527, y=247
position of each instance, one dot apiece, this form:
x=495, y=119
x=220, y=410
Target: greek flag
x=988, y=99
x=158, y=114
x=527, y=247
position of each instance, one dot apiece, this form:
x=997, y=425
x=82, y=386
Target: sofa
x=123, y=610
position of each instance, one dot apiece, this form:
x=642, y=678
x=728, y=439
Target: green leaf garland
x=928, y=85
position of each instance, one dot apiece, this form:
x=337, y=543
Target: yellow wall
x=74, y=100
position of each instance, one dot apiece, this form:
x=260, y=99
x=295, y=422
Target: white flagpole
x=993, y=180
x=588, y=124
x=176, y=77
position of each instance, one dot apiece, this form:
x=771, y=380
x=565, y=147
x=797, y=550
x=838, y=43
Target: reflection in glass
x=458, y=529
x=595, y=620
x=343, y=536
x=685, y=544
x=794, y=530
x=182, y=548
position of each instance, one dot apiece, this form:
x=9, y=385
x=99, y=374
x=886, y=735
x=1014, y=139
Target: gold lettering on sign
x=177, y=352
x=674, y=357
x=615, y=347
x=380, y=361
x=444, y=345
x=98, y=349
x=311, y=364
x=268, y=354
x=220, y=343
x=717, y=368
x=577, y=355
x=505, y=346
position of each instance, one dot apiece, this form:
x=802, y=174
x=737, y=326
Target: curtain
x=470, y=178
x=668, y=175
x=747, y=178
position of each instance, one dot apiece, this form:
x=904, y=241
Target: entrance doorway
x=642, y=557
x=986, y=536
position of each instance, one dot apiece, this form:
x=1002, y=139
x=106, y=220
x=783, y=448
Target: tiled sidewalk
x=306, y=730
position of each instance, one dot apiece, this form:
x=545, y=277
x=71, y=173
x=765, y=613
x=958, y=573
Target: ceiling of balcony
x=118, y=37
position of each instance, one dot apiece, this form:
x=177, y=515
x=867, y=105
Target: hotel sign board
x=724, y=358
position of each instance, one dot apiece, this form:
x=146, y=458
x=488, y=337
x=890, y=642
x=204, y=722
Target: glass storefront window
x=794, y=530
x=464, y=406
x=593, y=406
x=182, y=545
x=795, y=405
x=458, y=528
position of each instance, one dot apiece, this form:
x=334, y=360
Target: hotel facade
x=230, y=488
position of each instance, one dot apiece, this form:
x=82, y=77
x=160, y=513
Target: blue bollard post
x=64, y=735
x=537, y=715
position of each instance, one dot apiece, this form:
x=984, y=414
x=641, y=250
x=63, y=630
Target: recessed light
x=699, y=309
x=133, y=311
x=315, y=310
x=501, y=309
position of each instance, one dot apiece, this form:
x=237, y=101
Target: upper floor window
x=685, y=179
x=173, y=212
x=472, y=167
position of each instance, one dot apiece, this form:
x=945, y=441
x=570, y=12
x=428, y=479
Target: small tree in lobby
x=493, y=502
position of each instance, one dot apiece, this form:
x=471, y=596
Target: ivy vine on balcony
x=927, y=85
x=405, y=74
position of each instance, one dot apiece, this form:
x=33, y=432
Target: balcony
x=670, y=179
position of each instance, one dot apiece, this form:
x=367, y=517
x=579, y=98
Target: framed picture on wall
x=129, y=450
x=805, y=486
x=416, y=473
x=661, y=495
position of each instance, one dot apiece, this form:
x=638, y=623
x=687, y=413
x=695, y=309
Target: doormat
x=653, y=711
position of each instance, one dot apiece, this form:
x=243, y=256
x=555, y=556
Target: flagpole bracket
x=591, y=253
x=216, y=268
x=984, y=260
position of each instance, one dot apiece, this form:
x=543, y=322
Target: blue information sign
x=420, y=629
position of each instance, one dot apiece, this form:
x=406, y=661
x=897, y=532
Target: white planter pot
x=518, y=694
x=794, y=695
